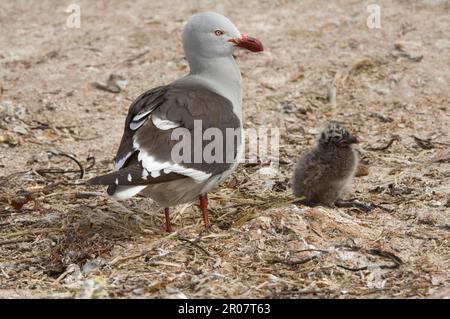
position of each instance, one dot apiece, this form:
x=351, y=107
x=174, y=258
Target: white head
x=211, y=35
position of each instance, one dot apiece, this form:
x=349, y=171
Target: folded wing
x=145, y=153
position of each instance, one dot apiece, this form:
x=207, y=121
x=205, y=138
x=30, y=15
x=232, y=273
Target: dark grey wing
x=168, y=131
x=138, y=113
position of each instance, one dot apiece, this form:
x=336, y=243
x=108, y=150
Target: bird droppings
x=262, y=242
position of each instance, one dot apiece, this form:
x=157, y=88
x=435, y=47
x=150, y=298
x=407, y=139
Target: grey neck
x=221, y=75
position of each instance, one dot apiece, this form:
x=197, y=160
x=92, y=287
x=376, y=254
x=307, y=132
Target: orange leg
x=167, y=217
x=204, y=207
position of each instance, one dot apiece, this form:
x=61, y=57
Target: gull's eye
x=219, y=33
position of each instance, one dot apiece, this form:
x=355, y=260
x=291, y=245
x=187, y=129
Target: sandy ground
x=59, y=239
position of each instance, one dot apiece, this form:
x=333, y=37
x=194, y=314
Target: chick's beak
x=248, y=43
x=352, y=140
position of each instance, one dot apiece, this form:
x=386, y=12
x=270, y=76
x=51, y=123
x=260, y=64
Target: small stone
x=313, y=131
x=115, y=84
x=20, y=112
x=362, y=170
x=138, y=291
x=435, y=203
x=20, y=130
x=272, y=278
x=9, y=139
x=268, y=171
x=437, y=280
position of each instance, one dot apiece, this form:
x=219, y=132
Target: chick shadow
x=352, y=203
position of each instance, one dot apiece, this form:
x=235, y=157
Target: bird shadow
x=352, y=203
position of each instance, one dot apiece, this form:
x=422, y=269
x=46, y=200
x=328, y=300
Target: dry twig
x=72, y=158
x=195, y=244
x=389, y=144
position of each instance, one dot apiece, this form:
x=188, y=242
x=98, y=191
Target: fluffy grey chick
x=324, y=173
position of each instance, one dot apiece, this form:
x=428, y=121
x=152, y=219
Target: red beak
x=248, y=43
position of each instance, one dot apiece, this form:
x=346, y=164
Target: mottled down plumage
x=324, y=173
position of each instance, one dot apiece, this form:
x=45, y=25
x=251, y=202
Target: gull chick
x=324, y=174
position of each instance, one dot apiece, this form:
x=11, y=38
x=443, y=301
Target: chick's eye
x=219, y=33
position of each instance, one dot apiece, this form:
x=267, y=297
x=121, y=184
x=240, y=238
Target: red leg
x=167, y=217
x=204, y=207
